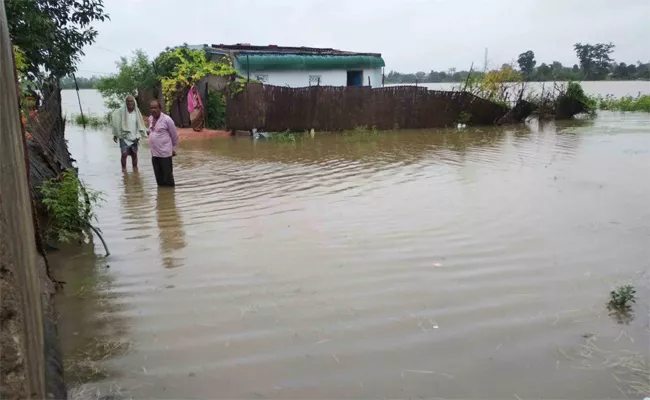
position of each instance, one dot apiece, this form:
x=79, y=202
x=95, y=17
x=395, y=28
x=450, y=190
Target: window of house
x=314, y=80
x=263, y=78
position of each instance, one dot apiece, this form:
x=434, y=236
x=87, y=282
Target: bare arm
x=113, y=126
x=172, y=132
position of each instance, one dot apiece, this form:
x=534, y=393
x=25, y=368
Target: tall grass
x=283, y=137
x=362, y=132
x=627, y=103
x=89, y=120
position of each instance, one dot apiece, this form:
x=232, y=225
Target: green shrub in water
x=363, y=131
x=574, y=101
x=90, y=120
x=70, y=207
x=285, y=137
x=626, y=103
x=622, y=298
x=464, y=117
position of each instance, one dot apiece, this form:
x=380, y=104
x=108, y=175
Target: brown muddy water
x=433, y=264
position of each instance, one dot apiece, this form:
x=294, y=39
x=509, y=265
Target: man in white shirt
x=128, y=128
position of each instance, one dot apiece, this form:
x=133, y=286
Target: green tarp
x=265, y=62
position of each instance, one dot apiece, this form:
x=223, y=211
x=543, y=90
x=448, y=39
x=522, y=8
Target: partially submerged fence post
x=83, y=120
x=16, y=216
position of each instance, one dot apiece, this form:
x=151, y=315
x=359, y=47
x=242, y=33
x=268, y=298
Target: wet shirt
x=163, y=137
x=131, y=125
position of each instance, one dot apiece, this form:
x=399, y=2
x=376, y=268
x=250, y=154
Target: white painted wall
x=375, y=77
x=300, y=78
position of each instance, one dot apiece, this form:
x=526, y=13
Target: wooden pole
x=15, y=208
x=468, y=75
x=83, y=120
x=248, y=70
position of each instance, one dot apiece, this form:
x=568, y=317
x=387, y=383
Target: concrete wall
x=300, y=78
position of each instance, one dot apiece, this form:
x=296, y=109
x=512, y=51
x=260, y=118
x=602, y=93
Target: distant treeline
x=84, y=83
x=595, y=63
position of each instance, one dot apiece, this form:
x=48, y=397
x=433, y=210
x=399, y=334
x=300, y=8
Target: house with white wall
x=302, y=66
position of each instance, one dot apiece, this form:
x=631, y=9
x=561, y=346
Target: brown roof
x=273, y=49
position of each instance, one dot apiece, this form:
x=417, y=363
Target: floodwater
x=593, y=88
x=433, y=264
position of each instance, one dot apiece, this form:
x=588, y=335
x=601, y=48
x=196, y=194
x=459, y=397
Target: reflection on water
x=172, y=236
x=451, y=264
x=135, y=195
x=91, y=323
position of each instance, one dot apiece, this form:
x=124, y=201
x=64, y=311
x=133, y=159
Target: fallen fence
x=327, y=108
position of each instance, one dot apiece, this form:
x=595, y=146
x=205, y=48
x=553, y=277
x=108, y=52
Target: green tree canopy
x=594, y=59
x=133, y=74
x=52, y=34
x=527, y=63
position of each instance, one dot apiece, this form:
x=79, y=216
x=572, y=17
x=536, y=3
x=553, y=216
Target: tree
x=594, y=59
x=527, y=63
x=544, y=73
x=133, y=75
x=83, y=83
x=180, y=68
x=620, y=71
x=420, y=76
x=631, y=70
x=52, y=34
x=643, y=71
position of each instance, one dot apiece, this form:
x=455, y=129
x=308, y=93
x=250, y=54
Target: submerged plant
x=70, y=207
x=89, y=120
x=464, y=117
x=284, y=137
x=626, y=103
x=622, y=298
x=362, y=131
x=574, y=101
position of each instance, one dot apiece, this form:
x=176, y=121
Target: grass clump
x=90, y=392
x=88, y=363
x=284, y=137
x=622, y=298
x=629, y=369
x=640, y=103
x=70, y=207
x=90, y=120
x=362, y=132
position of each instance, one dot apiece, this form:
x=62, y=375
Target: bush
x=574, y=101
x=215, y=110
x=625, y=103
x=622, y=298
x=284, y=137
x=69, y=205
x=89, y=120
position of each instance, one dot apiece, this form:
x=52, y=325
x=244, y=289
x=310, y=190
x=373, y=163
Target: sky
x=411, y=35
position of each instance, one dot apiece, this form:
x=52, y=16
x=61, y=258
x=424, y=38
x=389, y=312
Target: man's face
x=154, y=109
x=130, y=104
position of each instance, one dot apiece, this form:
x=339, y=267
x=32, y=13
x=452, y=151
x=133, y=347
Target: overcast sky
x=412, y=35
